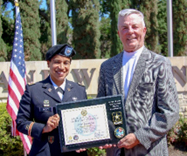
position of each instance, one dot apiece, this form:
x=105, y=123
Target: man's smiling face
x=131, y=32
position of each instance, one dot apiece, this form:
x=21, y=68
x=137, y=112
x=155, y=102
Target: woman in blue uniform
x=37, y=115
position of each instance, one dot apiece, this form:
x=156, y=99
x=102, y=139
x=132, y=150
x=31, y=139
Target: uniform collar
x=63, y=85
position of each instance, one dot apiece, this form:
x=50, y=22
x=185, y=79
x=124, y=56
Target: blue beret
x=60, y=49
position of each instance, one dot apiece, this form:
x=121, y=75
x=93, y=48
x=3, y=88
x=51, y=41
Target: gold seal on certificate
x=91, y=123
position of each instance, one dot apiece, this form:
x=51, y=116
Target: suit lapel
x=50, y=90
x=118, y=74
x=139, y=70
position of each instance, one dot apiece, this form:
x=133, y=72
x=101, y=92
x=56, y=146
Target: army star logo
x=117, y=118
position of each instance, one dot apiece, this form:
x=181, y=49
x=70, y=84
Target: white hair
x=127, y=12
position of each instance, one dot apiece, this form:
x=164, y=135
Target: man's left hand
x=128, y=142
x=81, y=150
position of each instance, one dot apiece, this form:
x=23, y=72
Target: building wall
x=86, y=72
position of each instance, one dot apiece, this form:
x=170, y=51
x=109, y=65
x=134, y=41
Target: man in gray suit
x=145, y=80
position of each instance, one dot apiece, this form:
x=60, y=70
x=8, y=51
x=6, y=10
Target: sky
x=10, y=7
x=43, y=5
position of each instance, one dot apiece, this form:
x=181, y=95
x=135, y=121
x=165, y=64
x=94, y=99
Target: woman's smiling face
x=59, y=68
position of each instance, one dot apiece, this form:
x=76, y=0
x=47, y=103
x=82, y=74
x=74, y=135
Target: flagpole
x=53, y=22
x=170, y=28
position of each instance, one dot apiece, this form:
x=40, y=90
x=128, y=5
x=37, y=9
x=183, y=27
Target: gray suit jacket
x=151, y=105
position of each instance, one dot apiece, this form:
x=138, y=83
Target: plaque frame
x=115, y=115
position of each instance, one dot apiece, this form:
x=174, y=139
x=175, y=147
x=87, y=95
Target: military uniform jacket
x=151, y=106
x=37, y=105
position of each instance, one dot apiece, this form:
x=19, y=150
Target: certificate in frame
x=91, y=123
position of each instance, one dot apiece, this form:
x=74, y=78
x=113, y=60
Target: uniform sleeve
x=84, y=93
x=101, y=83
x=24, y=121
x=167, y=112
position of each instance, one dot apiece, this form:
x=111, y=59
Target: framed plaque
x=91, y=123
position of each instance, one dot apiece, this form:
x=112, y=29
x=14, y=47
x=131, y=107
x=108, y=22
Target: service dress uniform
x=36, y=106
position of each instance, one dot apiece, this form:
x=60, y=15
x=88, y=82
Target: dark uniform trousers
x=38, y=103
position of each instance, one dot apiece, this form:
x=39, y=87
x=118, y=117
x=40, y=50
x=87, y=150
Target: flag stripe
x=14, y=90
x=11, y=108
x=27, y=141
x=17, y=80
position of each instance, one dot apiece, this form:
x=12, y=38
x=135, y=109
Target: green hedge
x=178, y=134
x=9, y=146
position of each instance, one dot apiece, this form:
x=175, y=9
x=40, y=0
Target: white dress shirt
x=129, y=62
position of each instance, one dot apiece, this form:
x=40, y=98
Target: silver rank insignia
x=117, y=118
x=74, y=98
x=46, y=103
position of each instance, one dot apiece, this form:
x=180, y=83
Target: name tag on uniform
x=45, y=109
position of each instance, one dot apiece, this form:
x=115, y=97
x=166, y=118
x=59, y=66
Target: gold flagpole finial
x=16, y=3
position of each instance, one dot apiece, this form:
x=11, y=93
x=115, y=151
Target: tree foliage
x=31, y=29
x=45, y=29
x=180, y=27
x=162, y=28
x=90, y=27
x=116, y=46
x=3, y=49
x=105, y=38
x=85, y=17
x=149, y=8
x=45, y=38
x=61, y=21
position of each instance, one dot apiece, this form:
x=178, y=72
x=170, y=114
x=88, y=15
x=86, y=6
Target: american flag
x=17, y=79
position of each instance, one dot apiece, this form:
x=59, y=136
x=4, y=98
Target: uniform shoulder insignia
x=31, y=83
x=80, y=84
